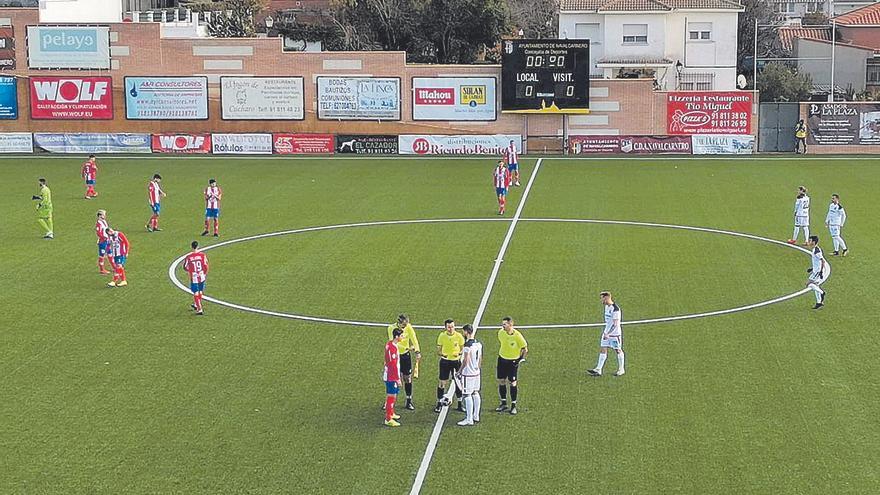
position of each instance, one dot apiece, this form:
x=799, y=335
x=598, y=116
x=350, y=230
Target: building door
x=776, y=127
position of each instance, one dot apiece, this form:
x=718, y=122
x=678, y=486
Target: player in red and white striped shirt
x=119, y=248
x=101, y=227
x=213, y=195
x=155, y=195
x=512, y=159
x=196, y=264
x=501, y=179
x=89, y=173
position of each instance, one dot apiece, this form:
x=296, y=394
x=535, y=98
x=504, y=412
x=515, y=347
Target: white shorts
x=468, y=384
x=801, y=221
x=613, y=341
x=834, y=230
x=814, y=277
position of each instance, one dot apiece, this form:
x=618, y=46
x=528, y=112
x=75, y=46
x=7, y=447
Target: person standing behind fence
x=800, y=134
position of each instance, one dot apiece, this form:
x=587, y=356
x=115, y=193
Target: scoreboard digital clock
x=545, y=76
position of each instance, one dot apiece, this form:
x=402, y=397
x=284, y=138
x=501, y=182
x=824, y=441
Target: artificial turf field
x=125, y=391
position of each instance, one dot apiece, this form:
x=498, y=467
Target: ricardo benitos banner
x=710, y=112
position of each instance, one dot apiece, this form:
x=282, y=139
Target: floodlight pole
x=755, y=59
x=833, y=40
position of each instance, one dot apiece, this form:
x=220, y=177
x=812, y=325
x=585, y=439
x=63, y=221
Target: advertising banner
x=582, y=145
x=241, y=144
x=710, y=112
x=358, y=98
x=166, y=98
x=366, y=144
x=93, y=143
x=843, y=123
x=71, y=98
x=7, y=47
x=721, y=144
x=8, y=98
x=454, y=98
x=16, y=142
x=301, y=144
x=261, y=98
x=457, y=145
x=68, y=47
x=181, y=143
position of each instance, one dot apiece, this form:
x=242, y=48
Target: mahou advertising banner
x=711, y=112
x=583, y=145
x=71, y=98
x=302, y=144
x=181, y=143
x=454, y=98
x=493, y=144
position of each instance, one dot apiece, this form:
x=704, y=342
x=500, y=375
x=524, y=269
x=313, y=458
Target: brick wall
x=618, y=106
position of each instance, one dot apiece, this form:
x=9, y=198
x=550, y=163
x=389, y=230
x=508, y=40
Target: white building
x=681, y=44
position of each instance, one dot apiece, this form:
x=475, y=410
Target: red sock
x=198, y=298
x=216, y=226
x=207, y=224
x=121, y=270
x=101, y=264
x=389, y=407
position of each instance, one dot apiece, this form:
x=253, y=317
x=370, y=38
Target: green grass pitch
x=125, y=391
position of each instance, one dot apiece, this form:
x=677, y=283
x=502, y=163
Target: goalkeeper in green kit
x=44, y=209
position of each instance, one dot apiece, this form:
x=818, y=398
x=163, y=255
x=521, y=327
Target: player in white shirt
x=801, y=215
x=819, y=271
x=612, y=336
x=834, y=221
x=468, y=377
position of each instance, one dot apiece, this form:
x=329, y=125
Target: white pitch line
x=280, y=314
x=481, y=309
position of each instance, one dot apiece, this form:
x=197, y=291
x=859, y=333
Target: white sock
x=797, y=231
x=817, y=291
x=836, y=241
x=806, y=234
x=478, y=401
x=601, y=363
x=620, y=358
x=469, y=408
x=842, y=243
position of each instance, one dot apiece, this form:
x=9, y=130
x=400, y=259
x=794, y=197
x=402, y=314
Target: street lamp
x=678, y=68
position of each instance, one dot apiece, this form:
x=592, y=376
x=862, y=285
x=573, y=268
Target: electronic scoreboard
x=545, y=76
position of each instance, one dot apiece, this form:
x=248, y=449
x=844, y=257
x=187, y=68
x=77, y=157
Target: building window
x=635, y=34
x=690, y=81
x=873, y=73
x=588, y=31
x=699, y=31
x=813, y=7
x=785, y=7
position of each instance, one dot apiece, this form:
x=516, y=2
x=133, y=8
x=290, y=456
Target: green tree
x=781, y=82
x=768, y=34
x=815, y=19
x=537, y=18
x=231, y=18
x=456, y=30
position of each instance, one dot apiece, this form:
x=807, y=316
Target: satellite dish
x=741, y=82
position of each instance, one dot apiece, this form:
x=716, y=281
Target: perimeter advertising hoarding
x=71, y=98
x=425, y=144
x=366, y=144
x=709, y=112
x=583, y=145
x=843, y=123
x=166, y=98
x=93, y=142
x=358, y=98
x=454, y=98
x=302, y=144
x=182, y=143
x=68, y=47
x=261, y=98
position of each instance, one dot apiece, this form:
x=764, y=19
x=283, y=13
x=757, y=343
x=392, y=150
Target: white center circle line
x=280, y=314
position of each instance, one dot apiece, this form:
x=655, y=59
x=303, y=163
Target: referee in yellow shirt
x=449, y=346
x=511, y=354
x=406, y=347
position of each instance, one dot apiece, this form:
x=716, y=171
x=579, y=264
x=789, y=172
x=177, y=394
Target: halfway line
x=481, y=309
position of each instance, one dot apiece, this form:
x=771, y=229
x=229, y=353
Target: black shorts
x=447, y=366
x=406, y=364
x=507, y=369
